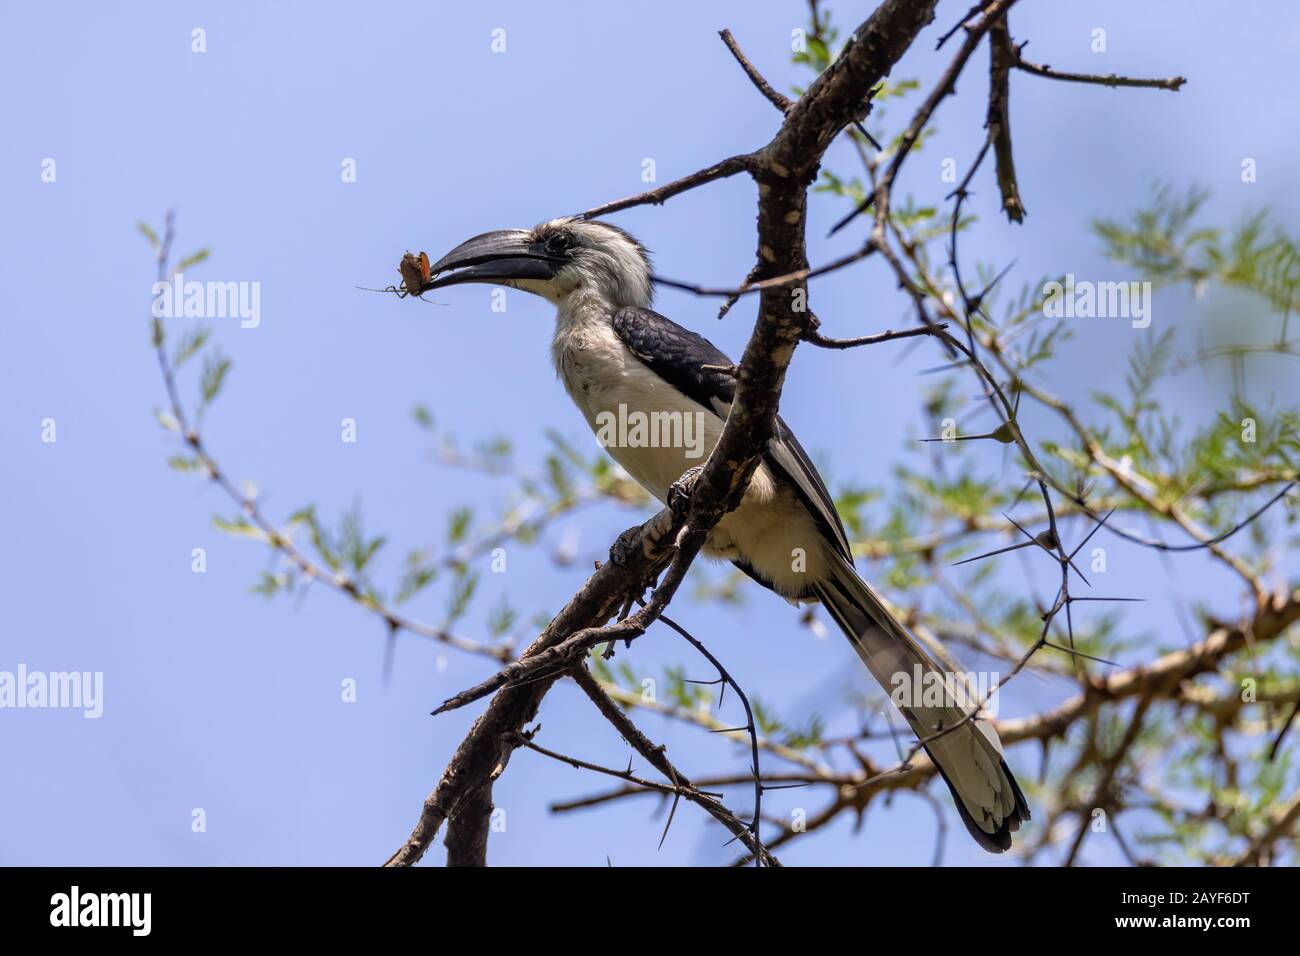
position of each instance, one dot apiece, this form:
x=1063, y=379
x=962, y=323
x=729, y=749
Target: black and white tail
x=970, y=757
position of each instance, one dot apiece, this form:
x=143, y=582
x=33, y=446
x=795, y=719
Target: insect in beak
x=415, y=273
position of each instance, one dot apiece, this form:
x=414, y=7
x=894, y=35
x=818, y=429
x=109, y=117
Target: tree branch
x=1001, y=59
x=483, y=754
x=660, y=194
x=1173, y=83
x=779, y=100
x=784, y=169
x=655, y=755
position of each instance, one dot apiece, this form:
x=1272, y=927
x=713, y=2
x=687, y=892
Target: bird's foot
x=652, y=539
x=679, y=492
x=620, y=552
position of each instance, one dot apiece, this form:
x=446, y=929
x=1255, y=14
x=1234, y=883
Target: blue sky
x=216, y=699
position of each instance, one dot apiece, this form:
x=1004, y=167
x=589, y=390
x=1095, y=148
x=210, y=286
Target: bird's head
x=553, y=260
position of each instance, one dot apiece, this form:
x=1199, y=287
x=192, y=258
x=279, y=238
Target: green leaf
x=423, y=417
x=458, y=524
x=268, y=584
x=501, y=618
x=820, y=55
x=599, y=667
x=147, y=231
x=191, y=343
x=239, y=526
x=462, y=593
x=191, y=260
x=215, y=367
x=414, y=581
x=887, y=91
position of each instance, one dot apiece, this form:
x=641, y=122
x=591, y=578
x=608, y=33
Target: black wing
x=679, y=357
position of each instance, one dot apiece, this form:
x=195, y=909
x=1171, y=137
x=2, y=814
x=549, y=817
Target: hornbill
x=617, y=357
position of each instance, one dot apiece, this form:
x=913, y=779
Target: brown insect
x=415, y=272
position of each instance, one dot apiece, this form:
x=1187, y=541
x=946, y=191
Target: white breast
x=647, y=426
x=771, y=530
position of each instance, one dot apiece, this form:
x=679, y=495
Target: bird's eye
x=558, y=244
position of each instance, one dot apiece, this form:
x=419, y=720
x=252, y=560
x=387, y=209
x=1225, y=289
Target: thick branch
x=784, y=169
x=467, y=835
x=482, y=756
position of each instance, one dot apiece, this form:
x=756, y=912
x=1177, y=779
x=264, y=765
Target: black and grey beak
x=494, y=257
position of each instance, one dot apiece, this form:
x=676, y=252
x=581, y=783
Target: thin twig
x=821, y=341
x=657, y=758
x=277, y=538
x=1173, y=83
x=779, y=100
x=1001, y=59
x=660, y=194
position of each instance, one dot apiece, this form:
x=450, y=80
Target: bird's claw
x=620, y=552
x=649, y=538
x=679, y=492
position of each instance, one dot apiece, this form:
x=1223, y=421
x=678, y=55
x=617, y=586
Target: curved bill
x=500, y=256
